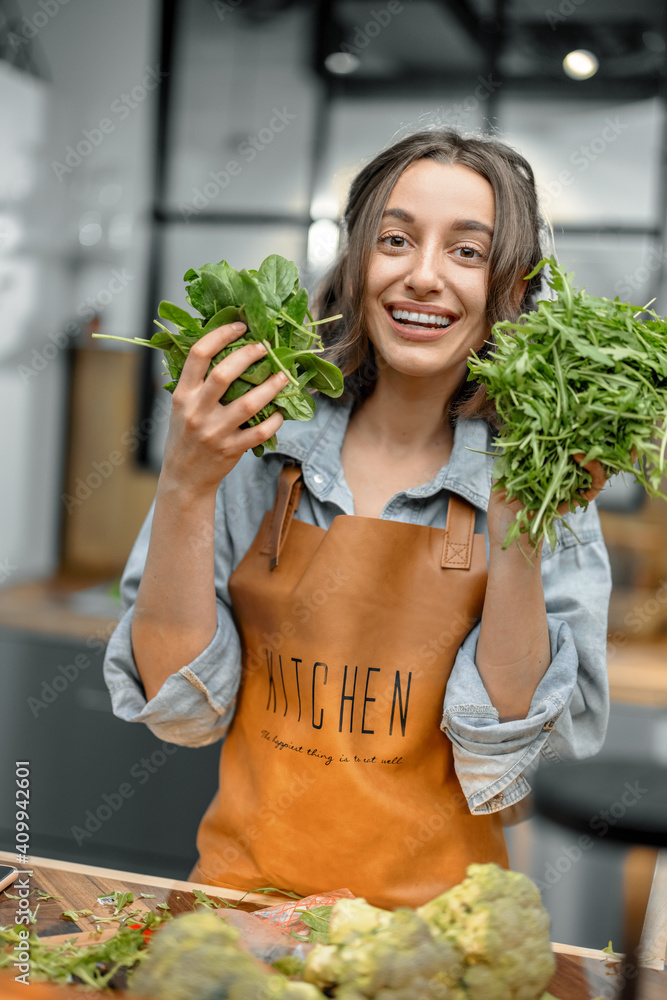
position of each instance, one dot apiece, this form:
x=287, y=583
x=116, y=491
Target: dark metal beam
x=423, y=84
x=168, y=18
x=466, y=18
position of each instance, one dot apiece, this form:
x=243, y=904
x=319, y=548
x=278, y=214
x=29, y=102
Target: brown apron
x=335, y=772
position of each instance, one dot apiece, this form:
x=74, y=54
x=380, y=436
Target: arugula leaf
x=121, y=900
x=270, y=888
x=317, y=918
x=201, y=899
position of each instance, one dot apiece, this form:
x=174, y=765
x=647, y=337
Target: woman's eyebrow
x=458, y=225
x=472, y=225
x=398, y=213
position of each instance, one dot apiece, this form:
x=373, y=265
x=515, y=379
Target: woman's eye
x=393, y=240
x=467, y=253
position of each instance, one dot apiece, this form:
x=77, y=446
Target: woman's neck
x=405, y=414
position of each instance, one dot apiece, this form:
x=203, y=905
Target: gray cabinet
x=102, y=791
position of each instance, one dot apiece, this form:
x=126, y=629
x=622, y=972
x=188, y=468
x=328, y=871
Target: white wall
x=95, y=54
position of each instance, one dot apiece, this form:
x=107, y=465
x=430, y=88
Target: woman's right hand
x=205, y=439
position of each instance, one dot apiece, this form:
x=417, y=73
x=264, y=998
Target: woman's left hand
x=503, y=510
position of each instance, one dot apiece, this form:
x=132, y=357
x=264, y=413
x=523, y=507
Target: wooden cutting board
x=581, y=974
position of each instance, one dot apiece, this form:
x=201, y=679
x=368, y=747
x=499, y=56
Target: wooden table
x=581, y=974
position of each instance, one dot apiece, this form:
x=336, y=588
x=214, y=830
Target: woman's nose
x=426, y=273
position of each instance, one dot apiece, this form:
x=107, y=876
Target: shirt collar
x=316, y=445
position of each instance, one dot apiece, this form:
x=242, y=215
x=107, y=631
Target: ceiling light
x=323, y=236
x=342, y=63
x=580, y=64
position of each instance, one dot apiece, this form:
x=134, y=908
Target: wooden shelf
x=638, y=674
x=43, y=607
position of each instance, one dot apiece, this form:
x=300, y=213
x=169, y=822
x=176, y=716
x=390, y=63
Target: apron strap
x=459, y=528
x=288, y=494
x=459, y=531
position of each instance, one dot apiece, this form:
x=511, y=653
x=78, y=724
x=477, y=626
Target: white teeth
x=414, y=317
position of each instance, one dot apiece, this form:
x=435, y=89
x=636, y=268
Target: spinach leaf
x=279, y=275
x=178, y=316
x=273, y=307
x=227, y=315
x=208, y=293
x=327, y=378
x=255, y=309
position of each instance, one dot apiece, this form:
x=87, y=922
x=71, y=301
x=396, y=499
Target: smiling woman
x=415, y=671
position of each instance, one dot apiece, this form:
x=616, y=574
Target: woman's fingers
x=201, y=353
x=250, y=403
x=598, y=477
x=228, y=370
x=250, y=437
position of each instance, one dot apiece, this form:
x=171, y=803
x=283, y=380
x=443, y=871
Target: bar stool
x=619, y=800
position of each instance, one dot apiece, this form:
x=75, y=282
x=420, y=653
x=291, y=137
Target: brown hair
x=515, y=250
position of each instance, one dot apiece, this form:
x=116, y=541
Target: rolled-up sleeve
x=195, y=705
x=570, y=708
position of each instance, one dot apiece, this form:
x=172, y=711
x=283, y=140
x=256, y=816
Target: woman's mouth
x=419, y=324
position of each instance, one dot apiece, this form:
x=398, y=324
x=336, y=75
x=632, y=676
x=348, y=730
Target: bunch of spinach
x=579, y=374
x=273, y=307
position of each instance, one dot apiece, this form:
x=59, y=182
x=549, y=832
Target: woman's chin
x=415, y=362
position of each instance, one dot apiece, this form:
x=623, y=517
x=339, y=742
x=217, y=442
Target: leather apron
x=335, y=772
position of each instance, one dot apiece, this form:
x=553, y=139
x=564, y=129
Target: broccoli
x=497, y=920
x=197, y=957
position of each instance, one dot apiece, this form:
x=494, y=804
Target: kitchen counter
x=582, y=974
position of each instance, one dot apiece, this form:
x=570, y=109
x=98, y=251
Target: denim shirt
x=493, y=760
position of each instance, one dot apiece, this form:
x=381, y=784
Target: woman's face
x=426, y=288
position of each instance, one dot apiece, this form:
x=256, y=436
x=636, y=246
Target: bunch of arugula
x=274, y=308
x=580, y=374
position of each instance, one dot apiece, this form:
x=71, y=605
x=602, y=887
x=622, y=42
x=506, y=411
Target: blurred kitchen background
x=143, y=137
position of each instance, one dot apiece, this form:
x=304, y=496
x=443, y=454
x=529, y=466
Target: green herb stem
x=125, y=340
x=279, y=363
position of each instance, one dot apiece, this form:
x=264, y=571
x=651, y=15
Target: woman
x=394, y=701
